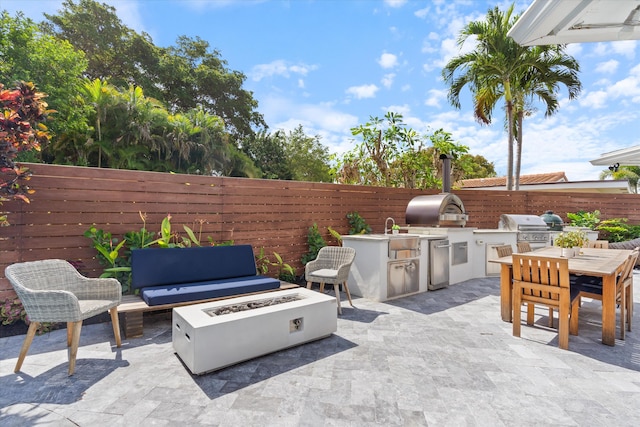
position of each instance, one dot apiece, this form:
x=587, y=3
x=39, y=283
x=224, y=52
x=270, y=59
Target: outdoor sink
x=398, y=242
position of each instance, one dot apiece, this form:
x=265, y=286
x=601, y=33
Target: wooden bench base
x=133, y=307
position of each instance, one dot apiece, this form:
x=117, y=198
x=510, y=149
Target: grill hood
x=437, y=210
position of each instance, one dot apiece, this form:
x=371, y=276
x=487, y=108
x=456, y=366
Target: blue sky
x=329, y=65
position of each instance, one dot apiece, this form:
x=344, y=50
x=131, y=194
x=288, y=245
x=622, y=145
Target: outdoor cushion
x=171, y=266
x=171, y=294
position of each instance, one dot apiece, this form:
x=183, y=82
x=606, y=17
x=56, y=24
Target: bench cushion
x=171, y=266
x=171, y=294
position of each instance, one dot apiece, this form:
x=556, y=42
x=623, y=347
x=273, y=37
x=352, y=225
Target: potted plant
x=570, y=241
x=395, y=229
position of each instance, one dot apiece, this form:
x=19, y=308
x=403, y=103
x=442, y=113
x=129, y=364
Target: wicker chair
x=53, y=291
x=331, y=266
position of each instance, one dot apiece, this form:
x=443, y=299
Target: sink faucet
x=386, y=222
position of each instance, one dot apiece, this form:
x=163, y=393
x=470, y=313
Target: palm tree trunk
x=509, y=102
x=519, y=130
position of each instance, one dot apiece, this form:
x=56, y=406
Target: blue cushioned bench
x=170, y=277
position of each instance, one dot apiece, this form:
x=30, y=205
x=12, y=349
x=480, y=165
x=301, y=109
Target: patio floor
x=438, y=358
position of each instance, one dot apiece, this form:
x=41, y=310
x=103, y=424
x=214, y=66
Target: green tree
x=268, y=153
x=308, y=158
x=26, y=54
x=630, y=173
x=499, y=68
x=183, y=77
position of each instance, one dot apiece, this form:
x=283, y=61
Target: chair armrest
x=50, y=305
x=106, y=288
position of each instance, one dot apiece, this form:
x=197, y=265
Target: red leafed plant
x=22, y=111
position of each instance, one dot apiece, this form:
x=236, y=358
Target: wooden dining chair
x=591, y=287
x=524, y=247
x=599, y=244
x=504, y=250
x=542, y=280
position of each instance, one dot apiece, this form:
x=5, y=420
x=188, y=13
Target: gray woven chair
x=331, y=266
x=53, y=291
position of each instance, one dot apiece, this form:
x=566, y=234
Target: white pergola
x=579, y=21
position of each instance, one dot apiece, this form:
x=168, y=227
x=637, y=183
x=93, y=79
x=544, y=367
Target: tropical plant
x=584, y=219
x=630, y=173
x=286, y=273
x=358, y=224
x=316, y=242
x=262, y=262
x=499, y=68
x=571, y=239
x=22, y=111
x=335, y=235
x=618, y=230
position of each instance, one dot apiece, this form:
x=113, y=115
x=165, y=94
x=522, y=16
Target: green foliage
x=617, y=230
x=358, y=224
x=571, y=239
x=12, y=311
x=285, y=271
x=118, y=264
x=335, y=235
x=292, y=156
x=316, y=242
x=22, y=111
x=393, y=155
x=584, y=219
x=262, y=262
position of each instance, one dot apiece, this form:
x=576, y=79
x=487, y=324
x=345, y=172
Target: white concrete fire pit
x=214, y=335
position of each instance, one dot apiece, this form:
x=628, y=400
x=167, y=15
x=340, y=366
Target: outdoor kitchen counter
x=368, y=277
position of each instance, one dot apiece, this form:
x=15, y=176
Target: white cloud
x=626, y=48
x=387, y=80
x=596, y=99
x=395, y=3
x=422, y=13
x=388, y=60
x=607, y=67
x=364, y=91
x=435, y=96
x=279, y=67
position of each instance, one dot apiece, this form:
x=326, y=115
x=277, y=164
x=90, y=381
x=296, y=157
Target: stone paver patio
x=441, y=358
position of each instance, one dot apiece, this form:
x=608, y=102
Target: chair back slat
x=504, y=250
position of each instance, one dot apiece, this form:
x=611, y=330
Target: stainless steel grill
x=437, y=210
x=530, y=228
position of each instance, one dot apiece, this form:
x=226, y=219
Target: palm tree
x=499, y=68
x=99, y=94
x=630, y=173
x=548, y=67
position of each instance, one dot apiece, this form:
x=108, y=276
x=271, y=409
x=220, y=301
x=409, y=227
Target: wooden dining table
x=604, y=263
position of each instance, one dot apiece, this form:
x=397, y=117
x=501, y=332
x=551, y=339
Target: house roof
x=501, y=181
x=554, y=181
x=577, y=21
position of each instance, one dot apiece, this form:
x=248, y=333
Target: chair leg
x=116, y=325
x=550, y=317
x=517, y=311
x=531, y=311
x=629, y=299
x=308, y=285
x=73, y=350
x=574, y=317
x=321, y=286
x=346, y=290
x=69, y=333
x=563, y=326
x=31, y=332
x=336, y=288
x=623, y=313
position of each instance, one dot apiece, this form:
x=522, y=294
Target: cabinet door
x=395, y=278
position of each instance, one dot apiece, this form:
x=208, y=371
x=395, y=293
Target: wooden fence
x=270, y=214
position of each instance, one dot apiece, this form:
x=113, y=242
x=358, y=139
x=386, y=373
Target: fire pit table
x=217, y=334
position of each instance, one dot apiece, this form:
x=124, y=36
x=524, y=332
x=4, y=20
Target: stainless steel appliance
x=530, y=228
x=438, y=210
x=403, y=267
x=438, y=264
